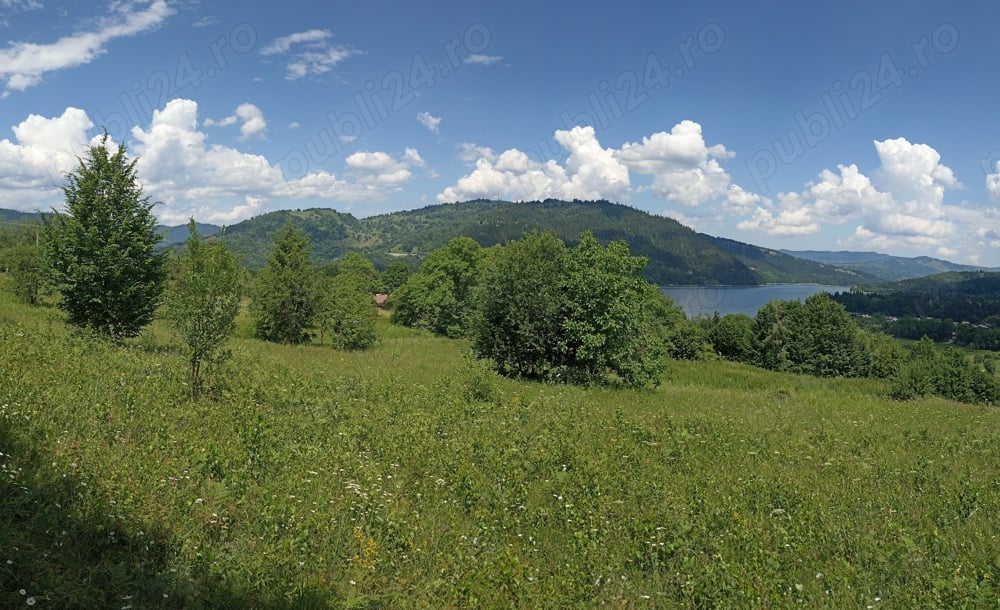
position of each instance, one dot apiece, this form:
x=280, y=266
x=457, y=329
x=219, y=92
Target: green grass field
x=407, y=476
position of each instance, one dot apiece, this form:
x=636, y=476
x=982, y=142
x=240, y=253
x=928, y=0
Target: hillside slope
x=677, y=254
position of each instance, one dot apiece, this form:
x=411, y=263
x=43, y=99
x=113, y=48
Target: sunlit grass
x=405, y=476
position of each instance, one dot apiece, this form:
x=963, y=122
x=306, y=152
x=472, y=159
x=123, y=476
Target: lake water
x=706, y=300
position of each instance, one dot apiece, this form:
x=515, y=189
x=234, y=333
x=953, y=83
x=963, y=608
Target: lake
x=706, y=300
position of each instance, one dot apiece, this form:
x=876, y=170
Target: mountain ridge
x=885, y=266
x=677, y=254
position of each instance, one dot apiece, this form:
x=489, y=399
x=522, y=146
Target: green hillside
x=776, y=267
x=677, y=255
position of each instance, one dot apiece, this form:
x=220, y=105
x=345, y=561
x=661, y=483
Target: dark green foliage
x=361, y=270
x=676, y=254
x=203, y=301
x=576, y=315
x=101, y=251
x=734, y=338
x=394, y=276
x=22, y=257
x=886, y=356
x=520, y=307
x=347, y=309
x=438, y=297
x=286, y=292
x=818, y=338
x=688, y=339
x=950, y=374
x=964, y=297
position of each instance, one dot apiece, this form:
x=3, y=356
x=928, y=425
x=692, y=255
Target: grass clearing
x=405, y=476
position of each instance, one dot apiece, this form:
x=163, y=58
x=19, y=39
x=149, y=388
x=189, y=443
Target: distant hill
x=884, y=266
x=171, y=235
x=774, y=265
x=179, y=234
x=677, y=255
x=970, y=296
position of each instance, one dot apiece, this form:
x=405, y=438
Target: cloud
x=253, y=125
x=470, y=152
x=380, y=168
x=591, y=172
x=216, y=183
x=34, y=166
x=205, y=22
x=313, y=54
x=19, y=6
x=24, y=64
x=684, y=168
x=482, y=60
x=993, y=183
x=901, y=207
x=429, y=121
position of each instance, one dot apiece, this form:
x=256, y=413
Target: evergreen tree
x=101, y=251
x=286, y=293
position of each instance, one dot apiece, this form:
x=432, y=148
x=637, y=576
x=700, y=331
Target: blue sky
x=851, y=125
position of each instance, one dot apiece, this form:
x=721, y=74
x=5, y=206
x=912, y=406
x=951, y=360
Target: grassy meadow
x=408, y=476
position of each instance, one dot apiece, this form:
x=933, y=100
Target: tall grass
x=408, y=476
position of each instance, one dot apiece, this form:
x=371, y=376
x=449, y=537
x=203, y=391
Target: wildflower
x=30, y=601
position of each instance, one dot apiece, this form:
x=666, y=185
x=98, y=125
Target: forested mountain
x=884, y=266
x=677, y=254
x=959, y=296
x=775, y=265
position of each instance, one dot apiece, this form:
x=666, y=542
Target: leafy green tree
x=286, y=293
x=520, y=307
x=776, y=324
x=887, y=356
x=101, y=252
x=26, y=266
x=832, y=342
x=733, y=337
x=438, y=297
x=606, y=327
x=352, y=313
x=576, y=315
x=394, y=276
x=203, y=301
x=365, y=276
x=817, y=337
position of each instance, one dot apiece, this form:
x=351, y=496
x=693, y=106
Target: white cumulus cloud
x=900, y=208
x=33, y=167
x=591, y=172
x=683, y=168
x=251, y=119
